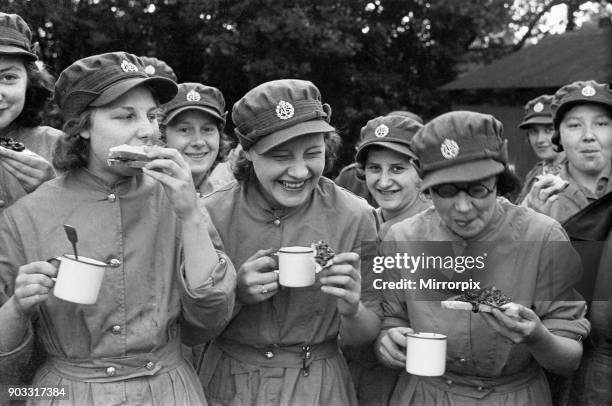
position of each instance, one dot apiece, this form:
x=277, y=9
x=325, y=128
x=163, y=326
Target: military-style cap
x=157, y=67
x=579, y=92
x=278, y=111
x=15, y=37
x=537, y=111
x=195, y=96
x=392, y=132
x=99, y=79
x=460, y=146
x=409, y=114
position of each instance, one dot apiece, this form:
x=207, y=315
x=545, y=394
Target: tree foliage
x=367, y=57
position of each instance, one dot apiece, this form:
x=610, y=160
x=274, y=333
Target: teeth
x=292, y=185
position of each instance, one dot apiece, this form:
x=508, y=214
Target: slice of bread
x=133, y=156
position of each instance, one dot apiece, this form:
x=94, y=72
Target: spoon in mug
x=72, y=237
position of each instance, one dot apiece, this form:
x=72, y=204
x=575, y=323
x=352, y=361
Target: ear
x=247, y=154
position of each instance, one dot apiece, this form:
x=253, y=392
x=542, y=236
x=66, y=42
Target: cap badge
x=588, y=91
x=449, y=149
x=538, y=107
x=128, y=67
x=193, y=96
x=149, y=70
x=381, y=130
x=284, y=110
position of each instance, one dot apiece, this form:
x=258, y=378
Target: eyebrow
x=12, y=67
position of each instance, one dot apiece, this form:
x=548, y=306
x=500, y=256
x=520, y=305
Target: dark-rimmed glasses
x=477, y=190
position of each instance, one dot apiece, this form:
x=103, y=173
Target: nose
x=462, y=202
x=197, y=139
x=588, y=134
x=148, y=130
x=298, y=169
x=385, y=180
x=541, y=138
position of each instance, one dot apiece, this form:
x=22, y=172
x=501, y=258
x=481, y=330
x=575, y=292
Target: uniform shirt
x=384, y=225
x=143, y=299
x=40, y=140
x=538, y=169
x=10, y=189
x=575, y=197
x=527, y=272
x=347, y=178
x=292, y=317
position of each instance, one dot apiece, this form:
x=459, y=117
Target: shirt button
x=449, y=381
x=269, y=354
x=480, y=388
x=462, y=360
x=114, y=263
x=111, y=198
x=277, y=222
x=116, y=329
x=150, y=365
x=111, y=371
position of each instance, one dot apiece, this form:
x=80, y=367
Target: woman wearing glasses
x=492, y=358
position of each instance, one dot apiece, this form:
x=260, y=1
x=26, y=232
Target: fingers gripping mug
x=79, y=280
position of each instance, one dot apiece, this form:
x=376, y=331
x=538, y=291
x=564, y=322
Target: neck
x=588, y=179
x=391, y=214
x=555, y=160
x=198, y=179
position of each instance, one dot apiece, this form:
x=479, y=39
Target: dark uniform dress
x=482, y=367
x=259, y=358
x=125, y=349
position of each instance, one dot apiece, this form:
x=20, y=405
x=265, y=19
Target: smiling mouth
x=387, y=192
x=292, y=185
x=197, y=156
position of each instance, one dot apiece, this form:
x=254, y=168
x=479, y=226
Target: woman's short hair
x=38, y=92
x=243, y=168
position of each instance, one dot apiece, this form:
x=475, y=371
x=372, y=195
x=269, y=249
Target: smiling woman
x=23, y=94
x=193, y=123
x=285, y=340
x=582, y=115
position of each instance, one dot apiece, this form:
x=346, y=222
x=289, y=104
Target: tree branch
x=533, y=23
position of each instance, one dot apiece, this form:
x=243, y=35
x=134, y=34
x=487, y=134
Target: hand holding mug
x=257, y=281
x=32, y=285
x=391, y=346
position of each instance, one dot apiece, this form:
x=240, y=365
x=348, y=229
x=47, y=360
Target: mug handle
x=54, y=261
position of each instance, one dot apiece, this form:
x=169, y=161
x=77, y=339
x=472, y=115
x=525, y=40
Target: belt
x=112, y=369
x=298, y=356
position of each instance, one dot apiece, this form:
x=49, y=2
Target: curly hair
x=72, y=150
x=38, y=93
x=225, y=142
x=243, y=168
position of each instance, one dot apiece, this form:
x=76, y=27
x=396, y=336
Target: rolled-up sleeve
x=561, y=308
x=208, y=308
